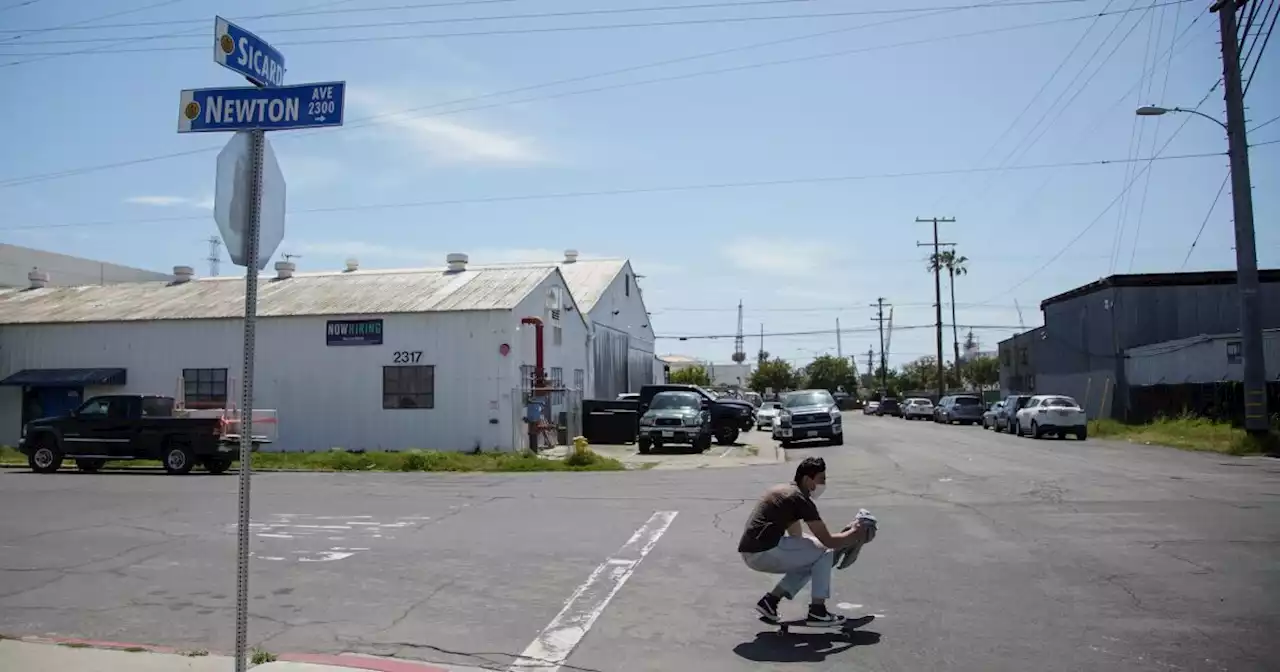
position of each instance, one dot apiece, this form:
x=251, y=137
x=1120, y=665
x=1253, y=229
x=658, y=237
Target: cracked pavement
x=994, y=553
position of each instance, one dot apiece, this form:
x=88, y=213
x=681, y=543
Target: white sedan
x=1051, y=414
x=767, y=414
x=917, y=407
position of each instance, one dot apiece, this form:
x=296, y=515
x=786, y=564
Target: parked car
x=1005, y=416
x=989, y=416
x=127, y=427
x=809, y=414
x=1051, y=414
x=870, y=407
x=728, y=416
x=675, y=417
x=767, y=414
x=889, y=407
x=917, y=408
x=965, y=409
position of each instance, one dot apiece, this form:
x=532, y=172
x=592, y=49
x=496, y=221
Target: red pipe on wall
x=539, y=374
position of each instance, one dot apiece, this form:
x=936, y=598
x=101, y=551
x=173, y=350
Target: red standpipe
x=539, y=374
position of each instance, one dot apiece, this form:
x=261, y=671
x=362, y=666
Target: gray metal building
x=1080, y=350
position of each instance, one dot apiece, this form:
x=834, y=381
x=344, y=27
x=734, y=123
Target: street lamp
x=1256, y=420
x=1153, y=111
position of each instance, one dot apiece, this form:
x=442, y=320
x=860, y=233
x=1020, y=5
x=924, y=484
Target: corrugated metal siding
x=360, y=292
x=609, y=361
x=1200, y=359
x=325, y=396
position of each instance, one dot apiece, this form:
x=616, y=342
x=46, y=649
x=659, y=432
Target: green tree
x=954, y=265
x=982, y=372
x=694, y=375
x=774, y=373
x=831, y=373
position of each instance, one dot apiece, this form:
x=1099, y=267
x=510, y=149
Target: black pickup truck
x=728, y=416
x=126, y=427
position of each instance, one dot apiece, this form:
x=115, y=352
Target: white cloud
x=448, y=140
x=778, y=257
x=158, y=201
x=205, y=203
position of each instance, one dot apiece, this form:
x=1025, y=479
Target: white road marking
x=551, y=648
x=728, y=450
x=275, y=536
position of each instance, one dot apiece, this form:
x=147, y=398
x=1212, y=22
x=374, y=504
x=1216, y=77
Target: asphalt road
x=995, y=553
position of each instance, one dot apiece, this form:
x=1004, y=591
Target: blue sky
x=817, y=250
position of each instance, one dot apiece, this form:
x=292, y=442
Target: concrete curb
x=285, y=662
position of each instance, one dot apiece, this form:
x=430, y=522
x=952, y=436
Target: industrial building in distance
x=1132, y=347
x=433, y=358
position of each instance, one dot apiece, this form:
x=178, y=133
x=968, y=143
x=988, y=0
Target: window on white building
x=579, y=379
x=205, y=388
x=405, y=387
x=557, y=382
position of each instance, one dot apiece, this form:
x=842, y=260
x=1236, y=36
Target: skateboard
x=784, y=627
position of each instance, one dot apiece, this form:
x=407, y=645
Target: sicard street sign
x=240, y=50
x=254, y=109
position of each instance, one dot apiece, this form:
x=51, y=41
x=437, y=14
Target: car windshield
x=921, y=402
x=670, y=400
x=808, y=399
x=770, y=406
x=1061, y=402
x=968, y=401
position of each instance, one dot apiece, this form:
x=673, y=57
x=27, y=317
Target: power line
x=1265, y=123
x=358, y=123
x=826, y=332
x=1207, y=215
x=488, y=33
x=789, y=309
x=81, y=22
x=1263, y=48
x=628, y=191
x=585, y=12
x=16, y=5
x=1112, y=204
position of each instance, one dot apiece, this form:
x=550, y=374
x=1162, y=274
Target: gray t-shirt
x=780, y=506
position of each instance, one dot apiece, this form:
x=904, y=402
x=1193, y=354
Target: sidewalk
x=29, y=655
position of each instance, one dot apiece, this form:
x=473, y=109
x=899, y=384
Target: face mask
x=817, y=490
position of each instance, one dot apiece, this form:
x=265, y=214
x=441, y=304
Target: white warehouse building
x=358, y=359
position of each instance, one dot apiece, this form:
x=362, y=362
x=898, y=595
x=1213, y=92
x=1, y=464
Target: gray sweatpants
x=800, y=560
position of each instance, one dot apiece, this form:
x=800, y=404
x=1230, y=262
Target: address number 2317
x=407, y=357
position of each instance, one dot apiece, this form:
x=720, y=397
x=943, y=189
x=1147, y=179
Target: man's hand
x=832, y=541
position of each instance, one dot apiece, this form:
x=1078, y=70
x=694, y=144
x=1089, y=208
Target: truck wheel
x=46, y=458
x=178, y=459
x=837, y=440
x=725, y=436
x=217, y=466
x=90, y=465
x=643, y=445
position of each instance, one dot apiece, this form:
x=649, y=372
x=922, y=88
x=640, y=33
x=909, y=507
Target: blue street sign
x=240, y=50
x=253, y=109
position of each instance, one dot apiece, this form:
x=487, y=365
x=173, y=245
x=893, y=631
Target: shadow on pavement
x=808, y=646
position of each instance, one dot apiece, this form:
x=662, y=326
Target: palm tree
x=954, y=265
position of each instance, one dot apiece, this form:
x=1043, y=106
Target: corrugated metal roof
x=588, y=278
x=335, y=293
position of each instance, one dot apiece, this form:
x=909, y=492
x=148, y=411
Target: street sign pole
x=242, y=209
x=257, y=140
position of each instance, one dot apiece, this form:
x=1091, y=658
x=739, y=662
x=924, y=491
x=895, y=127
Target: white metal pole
x=257, y=140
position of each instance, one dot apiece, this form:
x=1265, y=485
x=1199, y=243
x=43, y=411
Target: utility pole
x=871, y=367
x=760, y=357
x=884, y=367
x=839, y=346
x=214, y=258
x=937, y=293
x=1255, y=377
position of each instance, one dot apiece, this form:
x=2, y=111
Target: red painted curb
x=360, y=662
x=99, y=644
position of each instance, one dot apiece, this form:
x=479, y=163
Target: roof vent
x=457, y=261
x=38, y=278
x=353, y=264
x=183, y=274
x=285, y=269
x=570, y=256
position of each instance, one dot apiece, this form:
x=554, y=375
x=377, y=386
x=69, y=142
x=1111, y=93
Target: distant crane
x=888, y=337
x=739, y=352
x=1021, y=323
